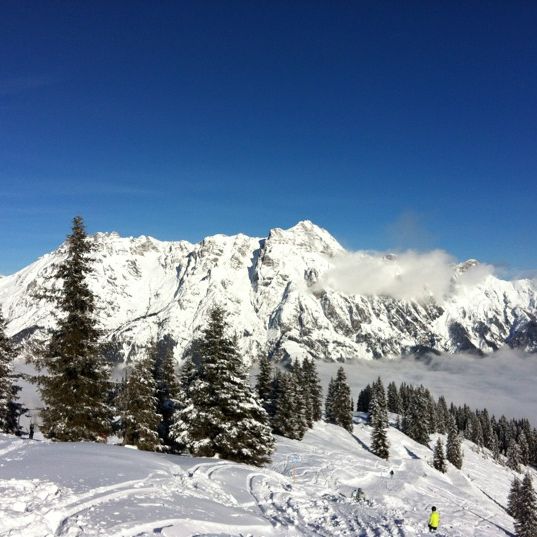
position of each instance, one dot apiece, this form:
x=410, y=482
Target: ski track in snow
x=78, y=490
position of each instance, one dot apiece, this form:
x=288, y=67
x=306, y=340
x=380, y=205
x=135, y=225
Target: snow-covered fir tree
x=379, y=421
x=453, y=444
x=514, y=497
x=524, y=448
x=394, y=399
x=488, y=433
x=264, y=386
x=75, y=386
x=514, y=457
x=187, y=375
x=302, y=400
x=364, y=398
x=431, y=412
x=340, y=411
x=477, y=431
x=416, y=420
x=526, y=509
x=313, y=382
x=7, y=353
x=169, y=391
x=223, y=417
x=11, y=408
x=442, y=415
x=289, y=417
x=140, y=403
x=329, y=402
x=439, y=459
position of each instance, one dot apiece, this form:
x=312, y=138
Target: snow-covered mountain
x=277, y=296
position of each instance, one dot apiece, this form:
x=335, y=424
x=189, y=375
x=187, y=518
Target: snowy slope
x=89, y=489
x=274, y=292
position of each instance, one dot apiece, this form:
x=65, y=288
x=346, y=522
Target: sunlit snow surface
x=82, y=489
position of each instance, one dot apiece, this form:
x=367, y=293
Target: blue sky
x=392, y=124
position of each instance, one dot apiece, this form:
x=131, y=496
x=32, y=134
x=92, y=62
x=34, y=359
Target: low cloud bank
x=502, y=382
x=409, y=275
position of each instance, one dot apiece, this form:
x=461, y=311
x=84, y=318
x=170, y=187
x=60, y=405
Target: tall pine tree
x=416, y=422
x=514, y=457
x=302, y=399
x=526, y=509
x=379, y=421
x=289, y=416
x=76, y=384
x=6, y=357
x=514, y=498
x=169, y=392
x=329, y=402
x=7, y=388
x=312, y=381
x=223, y=416
x=264, y=385
x=439, y=460
x=338, y=402
x=395, y=404
x=453, y=445
x=141, y=417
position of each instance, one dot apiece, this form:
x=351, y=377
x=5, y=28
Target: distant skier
x=434, y=519
x=31, y=433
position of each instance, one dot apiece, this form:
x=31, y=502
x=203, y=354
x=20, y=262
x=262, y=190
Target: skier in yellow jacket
x=434, y=519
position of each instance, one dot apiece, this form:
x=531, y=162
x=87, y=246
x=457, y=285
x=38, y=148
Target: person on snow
x=434, y=519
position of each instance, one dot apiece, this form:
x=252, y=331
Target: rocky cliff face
x=272, y=288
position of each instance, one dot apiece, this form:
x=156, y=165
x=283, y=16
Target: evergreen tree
x=141, y=417
x=223, y=416
x=431, y=412
x=264, y=385
x=442, y=415
x=7, y=354
x=513, y=456
x=364, y=399
x=187, y=375
x=439, y=460
x=302, y=400
x=311, y=379
x=524, y=449
x=340, y=408
x=168, y=390
x=453, y=445
x=526, y=509
x=514, y=498
x=379, y=421
x=289, y=417
x=488, y=432
x=477, y=436
x=75, y=387
x=404, y=393
x=495, y=449
x=283, y=419
x=416, y=422
x=533, y=447
x=329, y=402
x=394, y=400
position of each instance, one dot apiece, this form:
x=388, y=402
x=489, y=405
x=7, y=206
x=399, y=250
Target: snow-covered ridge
x=284, y=295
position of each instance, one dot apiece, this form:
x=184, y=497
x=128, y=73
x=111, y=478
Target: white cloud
x=503, y=382
x=409, y=275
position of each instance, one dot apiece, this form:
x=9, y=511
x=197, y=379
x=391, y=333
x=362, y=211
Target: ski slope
x=83, y=489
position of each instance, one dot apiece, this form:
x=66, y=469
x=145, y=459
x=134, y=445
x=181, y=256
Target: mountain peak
x=307, y=236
